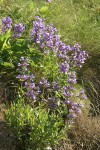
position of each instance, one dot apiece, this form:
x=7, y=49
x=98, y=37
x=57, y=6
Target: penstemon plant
x=47, y=74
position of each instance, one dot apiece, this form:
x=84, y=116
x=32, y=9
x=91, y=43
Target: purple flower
x=30, y=85
x=64, y=67
x=38, y=29
x=44, y=82
x=50, y=98
x=80, y=105
x=18, y=30
x=68, y=102
x=43, y=35
x=68, y=116
x=7, y=24
x=78, y=56
x=72, y=77
x=22, y=65
x=82, y=95
x=71, y=110
x=23, y=77
x=78, y=111
x=31, y=95
x=73, y=115
x=38, y=90
x=76, y=47
x=56, y=86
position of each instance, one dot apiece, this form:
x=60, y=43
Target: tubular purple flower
x=73, y=115
x=18, y=30
x=56, y=86
x=7, y=24
x=82, y=95
x=68, y=102
x=78, y=111
x=68, y=116
x=64, y=67
x=44, y=82
x=80, y=105
x=79, y=57
x=71, y=110
x=72, y=77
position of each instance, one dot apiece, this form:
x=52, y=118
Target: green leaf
x=7, y=64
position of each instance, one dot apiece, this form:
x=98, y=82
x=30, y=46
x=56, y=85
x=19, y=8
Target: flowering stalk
x=29, y=85
x=7, y=24
x=18, y=30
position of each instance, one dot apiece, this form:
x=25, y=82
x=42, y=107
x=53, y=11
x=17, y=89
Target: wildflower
x=7, y=24
x=44, y=82
x=82, y=95
x=64, y=67
x=56, y=86
x=18, y=30
x=68, y=102
x=78, y=56
x=72, y=77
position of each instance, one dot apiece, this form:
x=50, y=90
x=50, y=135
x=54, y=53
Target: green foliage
x=35, y=127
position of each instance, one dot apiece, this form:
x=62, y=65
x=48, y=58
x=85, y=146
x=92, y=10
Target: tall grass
x=77, y=21
x=85, y=135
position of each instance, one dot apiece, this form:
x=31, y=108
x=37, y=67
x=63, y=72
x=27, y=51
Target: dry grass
x=85, y=135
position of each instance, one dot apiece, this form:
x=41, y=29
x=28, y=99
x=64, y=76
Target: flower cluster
x=72, y=78
x=47, y=38
x=56, y=86
x=18, y=30
x=27, y=78
x=43, y=35
x=64, y=67
x=67, y=91
x=44, y=83
x=78, y=57
x=82, y=94
x=74, y=109
x=30, y=87
x=7, y=24
x=23, y=69
x=32, y=90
